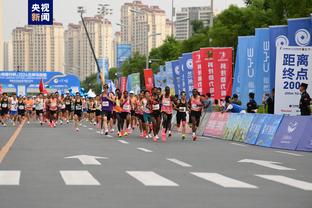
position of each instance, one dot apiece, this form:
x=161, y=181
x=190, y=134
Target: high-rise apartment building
x=185, y=17
x=1, y=35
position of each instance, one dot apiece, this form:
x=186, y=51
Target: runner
x=77, y=110
x=125, y=114
x=167, y=105
x=4, y=108
x=91, y=111
x=53, y=108
x=139, y=113
x=62, y=109
x=156, y=116
x=196, y=105
x=98, y=111
x=182, y=108
x=13, y=110
x=68, y=109
x=21, y=109
x=118, y=110
x=107, y=100
x=29, y=108
x=39, y=103
x=133, y=102
x=147, y=110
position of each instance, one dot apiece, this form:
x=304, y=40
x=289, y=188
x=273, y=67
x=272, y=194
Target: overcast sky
x=65, y=11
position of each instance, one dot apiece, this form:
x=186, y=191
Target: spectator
x=208, y=103
x=252, y=106
x=270, y=102
x=231, y=107
x=235, y=100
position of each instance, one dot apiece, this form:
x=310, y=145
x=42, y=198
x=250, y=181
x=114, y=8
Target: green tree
x=112, y=73
x=197, y=26
x=91, y=83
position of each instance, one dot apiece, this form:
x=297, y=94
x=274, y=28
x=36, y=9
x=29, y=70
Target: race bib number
x=182, y=109
x=126, y=107
x=167, y=103
x=67, y=103
x=105, y=103
x=194, y=106
x=21, y=107
x=78, y=107
x=53, y=104
x=156, y=107
x=4, y=105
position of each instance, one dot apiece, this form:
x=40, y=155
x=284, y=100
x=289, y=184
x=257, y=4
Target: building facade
x=1, y=36
x=183, y=27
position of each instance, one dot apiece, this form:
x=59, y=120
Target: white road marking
x=123, y=141
x=144, y=150
x=87, y=159
x=307, y=186
x=237, y=144
x=289, y=153
x=10, y=178
x=179, y=162
x=90, y=129
x=149, y=178
x=268, y=164
x=206, y=138
x=110, y=136
x=223, y=181
x=78, y=178
x=98, y=132
x=84, y=126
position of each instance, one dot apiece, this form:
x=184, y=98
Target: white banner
x=293, y=67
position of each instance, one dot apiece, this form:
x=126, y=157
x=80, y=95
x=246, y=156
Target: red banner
x=149, y=79
x=222, y=72
x=216, y=124
x=206, y=55
x=123, y=84
x=197, y=72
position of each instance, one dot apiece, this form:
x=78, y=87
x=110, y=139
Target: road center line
x=6, y=148
x=144, y=150
x=179, y=162
x=289, y=153
x=237, y=144
x=123, y=141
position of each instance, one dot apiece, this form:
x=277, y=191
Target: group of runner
x=150, y=112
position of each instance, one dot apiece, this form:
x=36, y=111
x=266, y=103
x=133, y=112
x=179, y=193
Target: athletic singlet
x=146, y=106
x=67, y=102
x=166, y=105
x=29, y=104
x=14, y=105
x=5, y=104
x=133, y=102
x=107, y=105
x=126, y=106
x=78, y=105
x=98, y=105
x=39, y=104
x=195, y=104
x=117, y=107
x=53, y=104
x=155, y=106
x=21, y=106
x=182, y=107
x=91, y=106
x=139, y=108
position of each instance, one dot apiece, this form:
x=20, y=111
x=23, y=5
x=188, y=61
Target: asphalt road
x=142, y=174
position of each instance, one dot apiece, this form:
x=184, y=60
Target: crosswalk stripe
x=149, y=178
x=289, y=153
x=307, y=186
x=237, y=144
x=223, y=181
x=179, y=162
x=144, y=150
x=10, y=178
x=123, y=141
x=78, y=178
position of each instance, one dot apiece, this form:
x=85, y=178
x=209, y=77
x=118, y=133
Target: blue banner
x=305, y=143
x=176, y=74
x=169, y=75
x=236, y=81
x=124, y=51
x=40, y=12
x=263, y=84
x=187, y=61
x=104, y=65
x=268, y=130
x=247, y=68
x=255, y=128
x=231, y=126
x=278, y=38
x=182, y=75
x=242, y=129
x=290, y=131
x=299, y=32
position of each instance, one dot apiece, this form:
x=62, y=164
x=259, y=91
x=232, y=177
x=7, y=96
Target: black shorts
x=156, y=114
x=124, y=115
x=21, y=112
x=181, y=117
x=78, y=113
x=132, y=113
x=196, y=115
x=38, y=112
x=107, y=114
x=68, y=108
x=4, y=112
x=140, y=117
x=97, y=112
x=52, y=113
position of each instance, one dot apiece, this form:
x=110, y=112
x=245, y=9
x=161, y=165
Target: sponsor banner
x=236, y=81
x=255, y=128
x=187, y=63
x=278, y=38
x=206, y=56
x=169, y=76
x=299, y=32
x=124, y=51
x=133, y=83
x=123, y=84
x=40, y=12
x=242, y=129
x=247, y=54
x=222, y=77
x=203, y=121
x=216, y=124
x=305, y=143
x=268, y=130
x=232, y=125
x=197, y=72
x=291, y=130
x=292, y=69
x=148, y=77
x=176, y=74
x=263, y=85
x=182, y=75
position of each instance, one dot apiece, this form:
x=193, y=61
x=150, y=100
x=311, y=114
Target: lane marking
x=6, y=148
x=306, y=186
x=144, y=150
x=78, y=178
x=179, y=162
x=237, y=144
x=123, y=141
x=223, y=181
x=290, y=153
x=10, y=178
x=90, y=129
x=84, y=126
x=110, y=136
x=87, y=159
x=268, y=164
x=149, y=178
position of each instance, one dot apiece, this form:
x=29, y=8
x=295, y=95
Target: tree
x=197, y=26
x=91, y=83
x=112, y=73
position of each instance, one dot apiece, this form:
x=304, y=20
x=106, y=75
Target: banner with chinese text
x=40, y=12
x=176, y=74
x=187, y=63
x=206, y=56
x=293, y=66
x=197, y=72
x=149, y=79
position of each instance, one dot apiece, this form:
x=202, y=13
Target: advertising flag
x=299, y=32
x=123, y=84
x=187, y=63
x=169, y=76
x=176, y=72
x=124, y=51
x=278, y=38
x=206, y=55
x=268, y=130
x=293, y=67
x=197, y=72
x=222, y=75
x=133, y=83
x=236, y=81
x=149, y=79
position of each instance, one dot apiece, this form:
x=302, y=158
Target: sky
x=65, y=11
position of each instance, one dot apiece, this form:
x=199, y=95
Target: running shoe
x=155, y=139
x=183, y=137
x=194, y=138
x=106, y=132
x=77, y=129
x=142, y=135
x=102, y=131
x=126, y=133
x=170, y=134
